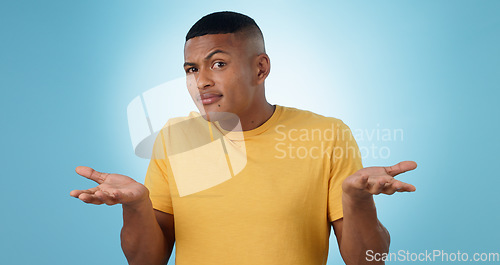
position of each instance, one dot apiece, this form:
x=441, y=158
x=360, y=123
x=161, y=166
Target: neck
x=258, y=117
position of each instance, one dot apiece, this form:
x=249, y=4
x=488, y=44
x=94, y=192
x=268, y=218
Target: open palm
x=112, y=188
x=376, y=180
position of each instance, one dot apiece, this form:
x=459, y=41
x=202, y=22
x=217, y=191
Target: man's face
x=220, y=73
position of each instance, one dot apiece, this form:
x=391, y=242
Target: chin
x=214, y=108
x=219, y=115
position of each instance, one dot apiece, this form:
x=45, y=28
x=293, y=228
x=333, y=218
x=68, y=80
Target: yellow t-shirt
x=264, y=196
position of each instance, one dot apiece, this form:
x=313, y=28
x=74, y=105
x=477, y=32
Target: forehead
x=202, y=45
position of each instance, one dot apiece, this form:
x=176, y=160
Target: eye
x=218, y=65
x=191, y=70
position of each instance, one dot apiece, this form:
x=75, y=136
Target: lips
x=209, y=98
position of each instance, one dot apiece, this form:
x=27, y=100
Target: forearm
x=142, y=239
x=362, y=231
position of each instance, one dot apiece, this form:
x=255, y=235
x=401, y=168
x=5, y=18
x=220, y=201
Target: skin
x=360, y=230
x=147, y=236
x=234, y=67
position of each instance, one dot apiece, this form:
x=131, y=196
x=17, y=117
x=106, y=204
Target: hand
x=375, y=180
x=112, y=189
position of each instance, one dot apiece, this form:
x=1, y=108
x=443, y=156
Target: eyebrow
x=207, y=57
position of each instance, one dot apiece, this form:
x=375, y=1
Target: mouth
x=209, y=98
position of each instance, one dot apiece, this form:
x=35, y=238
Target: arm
x=147, y=235
x=360, y=230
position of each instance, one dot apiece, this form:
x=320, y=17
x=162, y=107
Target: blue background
x=68, y=70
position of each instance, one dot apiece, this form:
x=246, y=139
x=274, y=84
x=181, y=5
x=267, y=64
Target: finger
x=377, y=185
x=90, y=173
x=407, y=188
x=362, y=182
x=76, y=193
x=89, y=198
x=400, y=186
x=400, y=168
x=390, y=188
x=107, y=198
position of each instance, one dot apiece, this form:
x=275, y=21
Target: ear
x=263, y=67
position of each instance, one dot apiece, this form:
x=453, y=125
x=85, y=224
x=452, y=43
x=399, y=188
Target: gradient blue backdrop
x=68, y=70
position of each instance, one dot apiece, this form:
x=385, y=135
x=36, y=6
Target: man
x=246, y=181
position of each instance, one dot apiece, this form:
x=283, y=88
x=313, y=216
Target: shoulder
x=308, y=118
x=184, y=127
x=192, y=118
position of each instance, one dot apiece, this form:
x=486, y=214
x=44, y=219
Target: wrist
x=143, y=203
x=356, y=194
x=364, y=201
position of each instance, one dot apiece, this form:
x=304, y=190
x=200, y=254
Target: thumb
x=400, y=167
x=91, y=174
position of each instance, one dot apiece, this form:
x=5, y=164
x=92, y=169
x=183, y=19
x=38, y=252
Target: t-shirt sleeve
x=157, y=179
x=345, y=161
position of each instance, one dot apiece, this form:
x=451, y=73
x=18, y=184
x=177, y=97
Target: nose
x=203, y=79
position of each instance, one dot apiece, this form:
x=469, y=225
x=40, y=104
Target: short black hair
x=222, y=23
